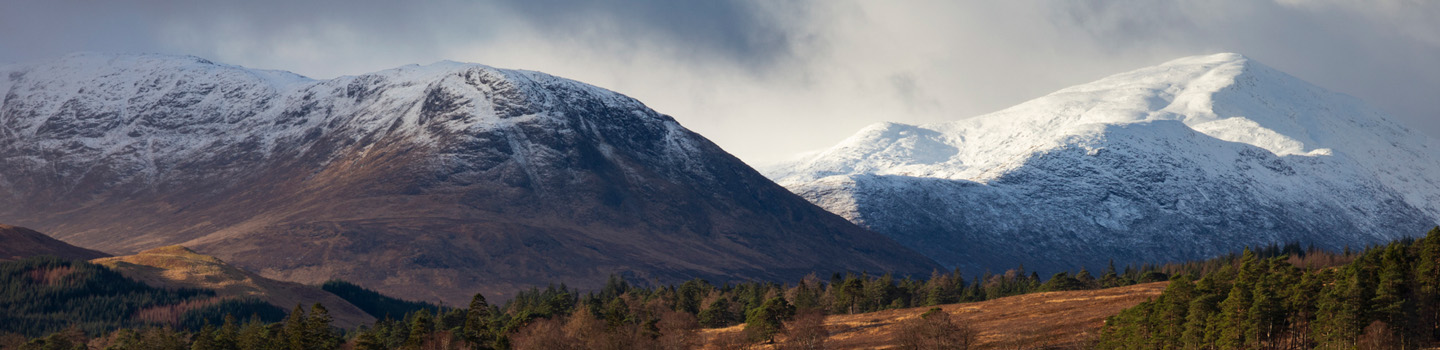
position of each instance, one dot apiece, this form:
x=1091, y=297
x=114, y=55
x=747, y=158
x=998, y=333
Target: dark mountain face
x=427, y=182
x=18, y=243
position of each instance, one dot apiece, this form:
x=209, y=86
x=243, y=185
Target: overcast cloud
x=769, y=79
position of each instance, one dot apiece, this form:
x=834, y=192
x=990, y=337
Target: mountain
x=1189, y=159
x=175, y=267
x=19, y=242
x=429, y=182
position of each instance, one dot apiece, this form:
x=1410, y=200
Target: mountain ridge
x=464, y=177
x=22, y=243
x=1183, y=160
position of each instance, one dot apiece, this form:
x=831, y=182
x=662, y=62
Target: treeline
x=43, y=295
x=374, y=303
x=621, y=315
x=624, y=315
x=298, y=330
x=1387, y=297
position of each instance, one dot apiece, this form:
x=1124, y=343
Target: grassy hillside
x=1039, y=320
x=179, y=267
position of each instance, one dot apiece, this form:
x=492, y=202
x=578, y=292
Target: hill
x=433, y=182
x=48, y=294
x=1186, y=160
x=175, y=267
x=19, y=242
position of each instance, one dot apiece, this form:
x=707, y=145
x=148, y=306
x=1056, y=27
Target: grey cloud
x=766, y=79
x=740, y=31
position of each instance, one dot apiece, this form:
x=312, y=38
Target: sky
x=767, y=80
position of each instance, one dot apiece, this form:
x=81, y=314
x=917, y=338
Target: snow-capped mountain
x=429, y=182
x=1189, y=159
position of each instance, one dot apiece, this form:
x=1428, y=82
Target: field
x=1054, y=320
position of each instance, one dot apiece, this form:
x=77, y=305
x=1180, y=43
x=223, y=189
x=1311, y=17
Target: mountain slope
x=19, y=242
x=1184, y=160
x=175, y=267
x=431, y=182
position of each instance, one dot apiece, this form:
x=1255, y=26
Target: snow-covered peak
x=1226, y=96
x=1183, y=160
x=152, y=112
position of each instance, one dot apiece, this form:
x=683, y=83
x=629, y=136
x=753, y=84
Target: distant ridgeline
x=1387, y=298
x=48, y=295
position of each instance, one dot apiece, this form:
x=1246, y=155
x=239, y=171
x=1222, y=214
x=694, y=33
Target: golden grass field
x=1053, y=320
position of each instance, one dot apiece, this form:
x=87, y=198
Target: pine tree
x=1171, y=309
x=318, y=332
x=617, y=313
x=421, y=325
x=806, y=297
x=940, y=290
x=254, y=336
x=1204, y=311
x=768, y=319
x=296, y=330
x=1235, y=310
x=205, y=340
x=479, y=328
x=851, y=294
x=369, y=340
x=1110, y=278
x=1392, y=303
x=1427, y=282
x=228, y=336
x=1266, y=318
x=1086, y=280
x=717, y=314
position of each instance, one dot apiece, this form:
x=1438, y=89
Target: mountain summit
x=430, y=182
x=1188, y=159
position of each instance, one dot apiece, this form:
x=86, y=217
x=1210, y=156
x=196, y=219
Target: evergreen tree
x=369, y=340
x=318, y=332
x=717, y=315
x=255, y=336
x=228, y=336
x=1392, y=303
x=1086, y=280
x=421, y=325
x=1203, y=311
x=479, y=328
x=851, y=294
x=1170, y=312
x=204, y=340
x=1266, y=319
x=806, y=297
x=297, y=330
x=769, y=319
x=617, y=313
x=1235, y=310
x=1427, y=283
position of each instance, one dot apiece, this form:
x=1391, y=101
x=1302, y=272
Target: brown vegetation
x=582, y=330
x=1062, y=320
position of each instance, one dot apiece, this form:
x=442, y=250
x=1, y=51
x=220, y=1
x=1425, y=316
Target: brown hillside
x=433, y=183
x=1041, y=320
x=177, y=266
x=19, y=242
